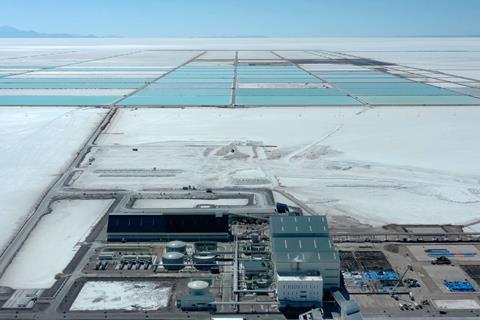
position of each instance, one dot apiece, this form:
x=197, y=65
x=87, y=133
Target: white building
x=300, y=289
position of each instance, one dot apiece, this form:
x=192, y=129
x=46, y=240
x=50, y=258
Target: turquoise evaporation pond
x=178, y=76
x=194, y=85
x=353, y=74
x=22, y=67
x=295, y=100
x=283, y=76
x=183, y=92
x=114, y=69
x=193, y=80
x=423, y=91
x=279, y=80
x=204, y=70
x=76, y=80
x=272, y=74
x=244, y=66
x=288, y=92
x=177, y=101
x=420, y=100
x=372, y=79
x=56, y=100
x=391, y=79
x=358, y=85
x=60, y=85
x=206, y=66
x=350, y=73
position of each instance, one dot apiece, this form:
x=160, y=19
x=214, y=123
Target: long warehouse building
x=165, y=227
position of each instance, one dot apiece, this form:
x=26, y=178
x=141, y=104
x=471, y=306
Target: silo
x=204, y=262
x=176, y=246
x=173, y=260
x=198, y=287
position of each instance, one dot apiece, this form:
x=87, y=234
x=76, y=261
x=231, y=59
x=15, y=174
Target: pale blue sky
x=276, y=18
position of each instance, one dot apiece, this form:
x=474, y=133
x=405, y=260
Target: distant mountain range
x=11, y=32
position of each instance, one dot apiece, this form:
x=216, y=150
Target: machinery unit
x=205, y=246
x=255, y=267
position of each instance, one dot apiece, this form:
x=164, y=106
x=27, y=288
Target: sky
x=240, y=18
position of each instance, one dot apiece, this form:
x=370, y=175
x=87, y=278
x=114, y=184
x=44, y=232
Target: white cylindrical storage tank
x=173, y=260
x=176, y=246
x=198, y=287
x=204, y=262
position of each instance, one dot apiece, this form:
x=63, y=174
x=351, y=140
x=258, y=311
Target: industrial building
x=300, y=288
x=165, y=227
x=305, y=259
x=198, y=297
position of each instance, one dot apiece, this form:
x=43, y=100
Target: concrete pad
x=450, y=273
x=420, y=254
x=461, y=304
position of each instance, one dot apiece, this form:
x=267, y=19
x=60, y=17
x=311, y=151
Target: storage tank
x=206, y=246
x=173, y=260
x=198, y=287
x=204, y=262
x=176, y=246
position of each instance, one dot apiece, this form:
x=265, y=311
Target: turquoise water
x=374, y=85
x=420, y=100
x=183, y=92
x=425, y=91
x=70, y=85
x=297, y=71
x=279, y=80
x=56, y=100
x=188, y=77
x=295, y=100
x=357, y=74
x=242, y=76
x=177, y=101
x=197, y=85
x=22, y=67
x=78, y=80
x=288, y=92
x=354, y=79
x=205, y=85
x=126, y=69
x=192, y=80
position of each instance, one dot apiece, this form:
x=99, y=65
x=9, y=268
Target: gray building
x=301, y=246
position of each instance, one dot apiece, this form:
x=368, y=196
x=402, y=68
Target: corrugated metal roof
x=299, y=226
x=301, y=239
x=306, y=256
x=302, y=244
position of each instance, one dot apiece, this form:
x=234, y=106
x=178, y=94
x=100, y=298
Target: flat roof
x=299, y=278
x=299, y=226
x=302, y=244
x=306, y=256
